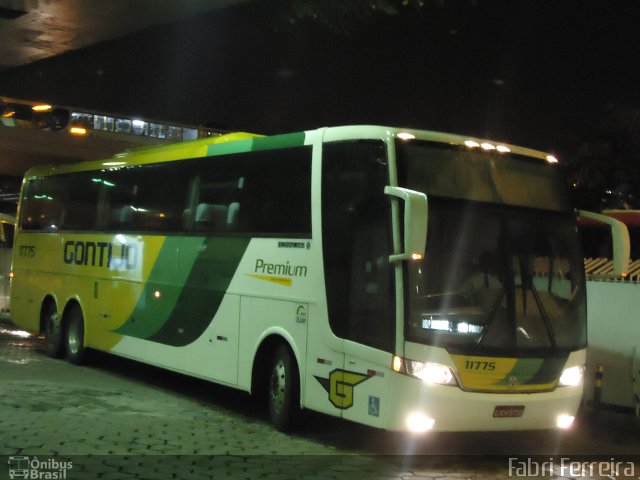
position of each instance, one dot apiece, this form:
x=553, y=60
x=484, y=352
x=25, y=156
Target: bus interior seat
x=232, y=218
x=212, y=216
x=121, y=217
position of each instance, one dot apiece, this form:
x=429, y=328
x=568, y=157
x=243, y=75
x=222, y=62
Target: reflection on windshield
x=497, y=279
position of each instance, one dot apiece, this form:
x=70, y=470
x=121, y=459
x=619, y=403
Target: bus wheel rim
x=51, y=325
x=73, y=339
x=278, y=384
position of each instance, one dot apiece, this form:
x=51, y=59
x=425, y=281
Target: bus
x=407, y=280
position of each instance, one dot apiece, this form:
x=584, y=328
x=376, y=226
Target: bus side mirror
x=415, y=223
x=619, y=239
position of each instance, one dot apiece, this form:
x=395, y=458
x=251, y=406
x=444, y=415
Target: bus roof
x=239, y=142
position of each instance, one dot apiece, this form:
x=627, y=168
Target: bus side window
x=215, y=207
x=120, y=211
x=81, y=201
x=44, y=209
x=262, y=193
x=212, y=217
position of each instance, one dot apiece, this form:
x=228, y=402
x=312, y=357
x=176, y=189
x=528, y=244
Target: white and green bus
x=403, y=279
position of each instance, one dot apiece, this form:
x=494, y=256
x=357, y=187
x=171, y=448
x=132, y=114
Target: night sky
x=533, y=72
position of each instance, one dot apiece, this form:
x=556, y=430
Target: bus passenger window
x=212, y=217
x=44, y=209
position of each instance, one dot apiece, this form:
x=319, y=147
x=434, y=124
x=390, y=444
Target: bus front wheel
x=283, y=390
x=52, y=331
x=76, y=351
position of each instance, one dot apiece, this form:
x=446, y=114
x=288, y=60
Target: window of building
x=123, y=125
x=140, y=127
x=103, y=122
x=79, y=119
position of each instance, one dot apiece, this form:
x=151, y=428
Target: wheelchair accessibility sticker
x=374, y=406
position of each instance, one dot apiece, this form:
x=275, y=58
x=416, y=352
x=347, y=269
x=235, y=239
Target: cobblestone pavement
x=117, y=419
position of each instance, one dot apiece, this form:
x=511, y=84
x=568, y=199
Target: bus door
x=371, y=320
x=6, y=252
x=351, y=360
x=357, y=242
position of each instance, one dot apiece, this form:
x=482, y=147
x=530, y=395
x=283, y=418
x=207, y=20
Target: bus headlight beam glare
x=564, y=421
x=418, y=422
x=571, y=377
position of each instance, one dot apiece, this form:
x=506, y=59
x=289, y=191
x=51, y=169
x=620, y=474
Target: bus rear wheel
x=52, y=331
x=74, y=338
x=283, y=390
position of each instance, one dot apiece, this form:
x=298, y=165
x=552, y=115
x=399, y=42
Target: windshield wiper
x=527, y=284
x=492, y=314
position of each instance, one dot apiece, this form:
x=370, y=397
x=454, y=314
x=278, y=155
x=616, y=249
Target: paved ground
x=117, y=419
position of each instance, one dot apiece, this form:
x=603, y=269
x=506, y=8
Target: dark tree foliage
x=341, y=16
x=605, y=164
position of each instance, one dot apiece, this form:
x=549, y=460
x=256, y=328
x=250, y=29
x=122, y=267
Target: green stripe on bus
x=163, y=287
x=279, y=141
x=257, y=144
x=524, y=370
x=549, y=371
x=535, y=371
x=229, y=148
x=203, y=291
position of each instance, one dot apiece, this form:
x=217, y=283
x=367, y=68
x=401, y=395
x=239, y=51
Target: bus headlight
x=428, y=372
x=571, y=377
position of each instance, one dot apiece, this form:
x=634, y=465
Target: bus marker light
x=471, y=144
x=397, y=363
x=156, y=294
x=41, y=108
x=416, y=256
x=7, y=112
x=552, y=159
x=406, y=136
x=488, y=146
x=503, y=149
x=418, y=422
x=564, y=421
x=78, y=131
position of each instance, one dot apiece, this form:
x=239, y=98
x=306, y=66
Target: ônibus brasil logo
x=33, y=468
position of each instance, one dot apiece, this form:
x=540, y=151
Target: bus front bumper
x=419, y=407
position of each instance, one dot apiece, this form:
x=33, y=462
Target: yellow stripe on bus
x=287, y=282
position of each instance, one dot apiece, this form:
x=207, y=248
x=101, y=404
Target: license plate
x=508, y=411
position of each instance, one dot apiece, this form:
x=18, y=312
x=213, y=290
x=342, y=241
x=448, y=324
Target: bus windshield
x=437, y=169
x=495, y=277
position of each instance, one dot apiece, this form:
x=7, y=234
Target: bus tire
x=283, y=391
x=52, y=331
x=74, y=336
